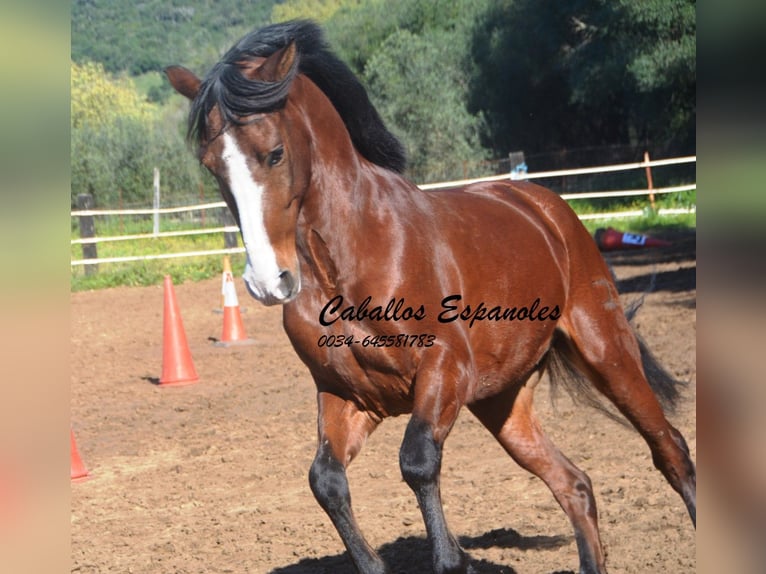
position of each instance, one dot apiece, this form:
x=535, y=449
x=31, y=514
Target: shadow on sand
x=412, y=555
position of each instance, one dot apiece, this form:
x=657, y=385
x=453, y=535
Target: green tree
x=552, y=75
x=357, y=33
x=318, y=10
x=518, y=81
x=419, y=87
x=413, y=56
x=137, y=37
x=118, y=138
x=97, y=98
x=646, y=52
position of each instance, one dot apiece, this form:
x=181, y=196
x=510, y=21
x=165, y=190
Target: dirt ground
x=212, y=477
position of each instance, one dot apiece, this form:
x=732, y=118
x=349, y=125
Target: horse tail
x=665, y=386
x=564, y=373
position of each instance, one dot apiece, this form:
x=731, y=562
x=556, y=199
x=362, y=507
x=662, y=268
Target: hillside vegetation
x=460, y=81
x=138, y=37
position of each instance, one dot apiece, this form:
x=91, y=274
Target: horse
x=404, y=301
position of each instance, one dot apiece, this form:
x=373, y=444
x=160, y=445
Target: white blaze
x=261, y=272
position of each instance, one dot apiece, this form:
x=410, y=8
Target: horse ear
x=276, y=67
x=184, y=81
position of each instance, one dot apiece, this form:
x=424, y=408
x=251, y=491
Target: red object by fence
x=610, y=240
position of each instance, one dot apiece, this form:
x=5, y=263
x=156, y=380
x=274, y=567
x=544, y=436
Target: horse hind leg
x=601, y=345
x=510, y=418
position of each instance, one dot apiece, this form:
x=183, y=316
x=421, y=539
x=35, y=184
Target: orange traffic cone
x=610, y=239
x=233, y=328
x=177, y=364
x=77, y=470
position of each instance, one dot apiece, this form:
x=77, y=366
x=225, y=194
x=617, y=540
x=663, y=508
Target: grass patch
x=683, y=200
x=152, y=272
x=137, y=273
x=645, y=223
x=650, y=220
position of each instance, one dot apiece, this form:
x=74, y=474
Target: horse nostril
x=287, y=281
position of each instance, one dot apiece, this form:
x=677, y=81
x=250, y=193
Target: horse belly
x=509, y=299
x=507, y=357
x=377, y=379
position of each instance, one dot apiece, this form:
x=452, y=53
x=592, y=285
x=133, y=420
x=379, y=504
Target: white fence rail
x=430, y=186
x=128, y=258
x=148, y=211
x=565, y=172
x=228, y=229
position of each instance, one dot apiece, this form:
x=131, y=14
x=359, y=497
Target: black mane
x=236, y=96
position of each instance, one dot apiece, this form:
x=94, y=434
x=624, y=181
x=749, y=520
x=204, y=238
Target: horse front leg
x=343, y=429
x=437, y=403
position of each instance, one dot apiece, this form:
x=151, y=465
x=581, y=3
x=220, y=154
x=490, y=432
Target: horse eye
x=276, y=156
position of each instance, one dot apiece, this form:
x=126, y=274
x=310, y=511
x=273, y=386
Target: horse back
x=559, y=229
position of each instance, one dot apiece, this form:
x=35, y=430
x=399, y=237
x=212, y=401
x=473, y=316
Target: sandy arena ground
x=212, y=477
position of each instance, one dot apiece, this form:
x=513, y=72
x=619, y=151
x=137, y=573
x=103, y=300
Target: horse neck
x=344, y=187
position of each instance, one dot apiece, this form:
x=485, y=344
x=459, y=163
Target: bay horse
x=403, y=301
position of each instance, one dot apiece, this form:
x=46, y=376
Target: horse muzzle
x=282, y=288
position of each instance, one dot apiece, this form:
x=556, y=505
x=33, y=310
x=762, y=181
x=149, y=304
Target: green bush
x=118, y=138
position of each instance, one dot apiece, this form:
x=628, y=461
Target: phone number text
x=400, y=340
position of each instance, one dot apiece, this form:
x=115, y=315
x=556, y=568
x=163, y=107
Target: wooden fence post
x=87, y=229
x=518, y=164
x=649, y=181
x=156, y=202
x=202, y=200
x=229, y=237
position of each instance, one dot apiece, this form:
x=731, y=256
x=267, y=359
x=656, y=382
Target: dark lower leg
x=420, y=462
x=329, y=484
x=342, y=431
